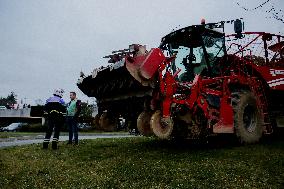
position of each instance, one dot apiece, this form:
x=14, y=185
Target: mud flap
x=226, y=122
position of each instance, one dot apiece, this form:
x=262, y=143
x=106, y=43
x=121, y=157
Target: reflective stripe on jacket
x=55, y=106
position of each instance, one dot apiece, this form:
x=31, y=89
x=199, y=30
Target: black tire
x=248, y=119
x=107, y=123
x=143, y=123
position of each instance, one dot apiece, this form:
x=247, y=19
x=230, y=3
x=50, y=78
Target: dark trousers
x=73, y=128
x=53, y=124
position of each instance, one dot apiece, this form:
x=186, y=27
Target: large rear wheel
x=248, y=119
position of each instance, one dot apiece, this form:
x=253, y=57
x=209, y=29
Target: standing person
x=73, y=111
x=54, y=110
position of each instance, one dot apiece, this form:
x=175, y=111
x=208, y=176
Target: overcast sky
x=45, y=44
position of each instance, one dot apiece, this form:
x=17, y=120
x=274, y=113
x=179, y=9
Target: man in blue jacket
x=54, y=110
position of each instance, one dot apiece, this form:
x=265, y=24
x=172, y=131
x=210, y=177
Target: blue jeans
x=73, y=128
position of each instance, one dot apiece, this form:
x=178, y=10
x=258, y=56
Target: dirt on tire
x=143, y=123
x=107, y=123
x=162, y=131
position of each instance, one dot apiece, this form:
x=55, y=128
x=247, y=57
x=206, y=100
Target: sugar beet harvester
x=199, y=82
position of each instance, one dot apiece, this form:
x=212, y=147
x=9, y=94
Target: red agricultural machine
x=198, y=83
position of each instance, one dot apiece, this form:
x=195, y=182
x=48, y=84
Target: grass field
x=143, y=163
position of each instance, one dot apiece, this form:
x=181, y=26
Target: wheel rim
x=249, y=118
x=161, y=127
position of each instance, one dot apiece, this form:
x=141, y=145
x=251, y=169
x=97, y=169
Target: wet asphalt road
x=39, y=139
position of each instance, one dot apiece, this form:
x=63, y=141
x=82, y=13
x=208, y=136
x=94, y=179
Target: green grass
x=143, y=163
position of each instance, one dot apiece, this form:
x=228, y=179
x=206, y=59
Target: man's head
x=72, y=95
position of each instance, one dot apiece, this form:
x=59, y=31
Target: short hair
x=73, y=93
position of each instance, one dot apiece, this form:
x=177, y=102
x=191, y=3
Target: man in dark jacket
x=73, y=111
x=54, y=110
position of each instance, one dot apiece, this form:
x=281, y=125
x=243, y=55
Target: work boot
x=45, y=145
x=54, y=145
x=76, y=143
